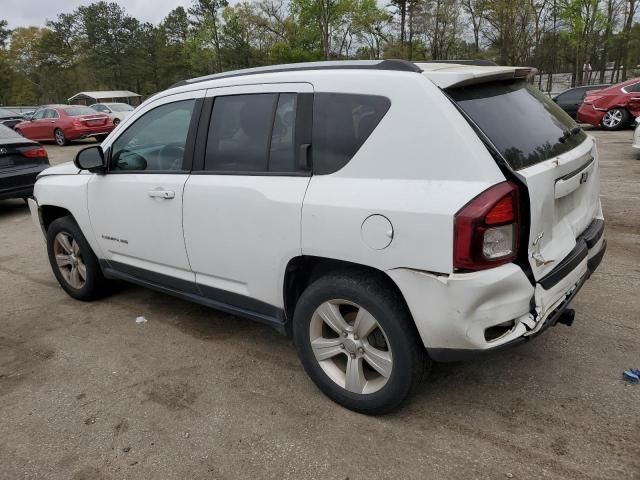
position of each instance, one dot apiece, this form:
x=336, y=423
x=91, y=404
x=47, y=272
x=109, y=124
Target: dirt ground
x=86, y=393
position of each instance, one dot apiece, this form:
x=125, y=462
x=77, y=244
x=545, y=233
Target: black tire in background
x=94, y=283
x=409, y=359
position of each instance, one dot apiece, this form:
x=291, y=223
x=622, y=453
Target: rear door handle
x=166, y=194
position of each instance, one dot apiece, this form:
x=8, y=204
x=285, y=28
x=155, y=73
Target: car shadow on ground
x=13, y=207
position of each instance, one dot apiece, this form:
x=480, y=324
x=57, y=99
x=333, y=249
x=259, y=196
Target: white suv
x=383, y=213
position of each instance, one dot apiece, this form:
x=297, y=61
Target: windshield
x=120, y=107
x=76, y=111
x=524, y=125
x=8, y=113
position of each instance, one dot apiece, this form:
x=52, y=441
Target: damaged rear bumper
x=457, y=314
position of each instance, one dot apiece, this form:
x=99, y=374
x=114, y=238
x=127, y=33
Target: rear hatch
x=547, y=152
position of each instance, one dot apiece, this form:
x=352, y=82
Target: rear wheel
x=357, y=342
x=615, y=119
x=73, y=262
x=60, y=138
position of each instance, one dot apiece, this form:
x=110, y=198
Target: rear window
x=341, y=124
x=120, y=107
x=524, y=125
x=77, y=111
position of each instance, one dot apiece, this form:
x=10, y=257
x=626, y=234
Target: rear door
x=556, y=160
x=49, y=123
x=243, y=202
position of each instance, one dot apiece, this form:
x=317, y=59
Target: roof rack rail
x=390, y=64
x=477, y=63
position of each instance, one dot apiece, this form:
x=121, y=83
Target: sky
x=24, y=13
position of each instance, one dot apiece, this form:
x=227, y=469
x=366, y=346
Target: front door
x=136, y=208
x=34, y=128
x=242, y=205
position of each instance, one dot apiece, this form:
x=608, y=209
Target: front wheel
x=73, y=262
x=61, y=140
x=357, y=342
x=615, y=119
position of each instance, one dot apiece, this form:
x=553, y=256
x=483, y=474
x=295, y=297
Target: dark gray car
x=21, y=160
x=570, y=100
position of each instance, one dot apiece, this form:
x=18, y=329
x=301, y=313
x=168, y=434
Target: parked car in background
x=116, y=111
x=21, y=160
x=571, y=99
x=612, y=108
x=636, y=134
x=270, y=193
x=63, y=123
x=9, y=118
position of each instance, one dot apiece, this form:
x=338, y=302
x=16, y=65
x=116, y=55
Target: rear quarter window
x=341, y=124
x=524, y=125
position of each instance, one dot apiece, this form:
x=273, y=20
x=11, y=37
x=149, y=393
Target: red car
x=612, y=108
x=64, y=123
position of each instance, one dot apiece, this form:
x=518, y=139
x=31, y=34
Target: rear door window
x=524, y=125
x=239, y=133
x=253, y=134
x=341, y=125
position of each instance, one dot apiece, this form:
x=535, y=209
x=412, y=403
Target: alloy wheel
x=59, y=137
x=612, y=118
x=69, y=260
x=350, y=346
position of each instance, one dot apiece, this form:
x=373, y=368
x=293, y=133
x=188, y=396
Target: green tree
x=206, y=19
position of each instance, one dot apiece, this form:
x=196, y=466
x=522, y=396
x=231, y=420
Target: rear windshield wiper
x=567, y=133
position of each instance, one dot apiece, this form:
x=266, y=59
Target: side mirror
x=91, y=159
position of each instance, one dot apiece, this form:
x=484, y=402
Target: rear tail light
x=77, y=124
x=486, y=230
x=591, y=98
x=37, y=152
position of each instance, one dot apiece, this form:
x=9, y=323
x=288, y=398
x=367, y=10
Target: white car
x=116, y=111
x=636, y=134
x=383, y=213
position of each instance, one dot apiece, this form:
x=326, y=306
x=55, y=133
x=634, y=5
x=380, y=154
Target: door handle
x=166, y=194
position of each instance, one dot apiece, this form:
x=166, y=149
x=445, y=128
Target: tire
x=615, y=119
x=59, y=137
x=76, y=253
x=354, y=294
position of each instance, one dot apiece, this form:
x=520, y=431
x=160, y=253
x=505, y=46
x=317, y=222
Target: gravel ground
x=86, y=393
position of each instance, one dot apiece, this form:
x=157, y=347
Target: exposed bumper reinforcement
x=459, y=355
